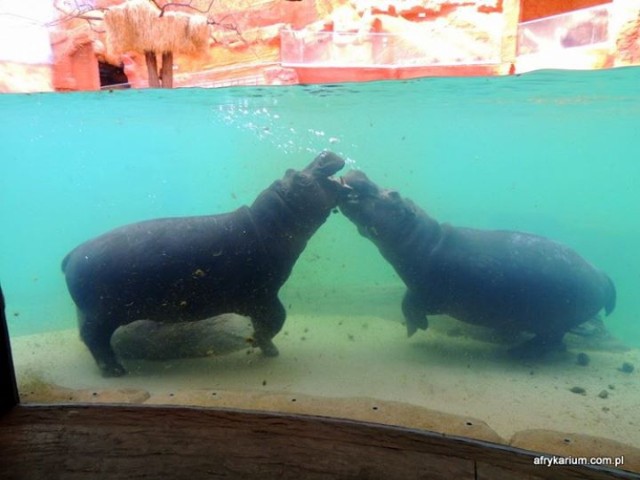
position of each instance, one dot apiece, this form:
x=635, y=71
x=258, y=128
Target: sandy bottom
x=361, y=367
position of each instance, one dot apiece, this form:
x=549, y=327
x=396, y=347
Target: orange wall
x=532, y=9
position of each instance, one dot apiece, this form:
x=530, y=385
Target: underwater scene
x=282, y=227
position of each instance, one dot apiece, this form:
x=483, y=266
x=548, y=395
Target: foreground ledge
x=82, y=441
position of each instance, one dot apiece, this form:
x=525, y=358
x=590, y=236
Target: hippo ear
x=395, y=196
x=325, y=164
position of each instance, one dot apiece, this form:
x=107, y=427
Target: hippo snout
x=359, y=184
x=326, y=164
x=356, y=187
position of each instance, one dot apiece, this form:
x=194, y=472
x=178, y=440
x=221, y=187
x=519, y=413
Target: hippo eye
x=409, y=211
x=303, y=179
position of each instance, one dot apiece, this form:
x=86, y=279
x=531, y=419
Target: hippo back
x=169, y=268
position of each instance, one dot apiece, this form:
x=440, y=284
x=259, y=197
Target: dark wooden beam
x=166, y=71
x=8, y=389
x=78, y=442
x=152, y=69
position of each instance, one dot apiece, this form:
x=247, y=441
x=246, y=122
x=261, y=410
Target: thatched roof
x=137, y=26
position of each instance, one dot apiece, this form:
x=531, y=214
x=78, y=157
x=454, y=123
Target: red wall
x=532, y=9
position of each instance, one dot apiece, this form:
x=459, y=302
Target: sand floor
x=357, y=361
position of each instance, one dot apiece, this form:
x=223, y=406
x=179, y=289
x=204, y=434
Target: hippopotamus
x=192, y=268
x=508, y=280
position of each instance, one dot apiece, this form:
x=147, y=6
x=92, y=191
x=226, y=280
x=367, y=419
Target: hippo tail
x=610, y=296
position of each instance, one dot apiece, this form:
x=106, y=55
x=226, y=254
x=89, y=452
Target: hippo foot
x=268, y=348
x=112, y=370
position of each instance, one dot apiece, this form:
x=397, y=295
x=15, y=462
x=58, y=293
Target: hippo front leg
x=267, y=320
x=415, y=313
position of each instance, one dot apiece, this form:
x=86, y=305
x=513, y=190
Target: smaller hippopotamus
x=191, y=268
x=506, y=280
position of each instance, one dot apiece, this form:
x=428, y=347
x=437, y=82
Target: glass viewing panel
x=551, y=153
x=579, y=28
x=420, y=47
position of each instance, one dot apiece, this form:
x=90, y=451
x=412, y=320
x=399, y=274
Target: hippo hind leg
x=96, y=333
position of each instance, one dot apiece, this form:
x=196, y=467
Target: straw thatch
x=129, y=26
x=181, y=33
x=137, y=26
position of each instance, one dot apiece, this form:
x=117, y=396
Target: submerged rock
x=583, y=359
x=627, y=367
x=578, y=390
x=148, y=340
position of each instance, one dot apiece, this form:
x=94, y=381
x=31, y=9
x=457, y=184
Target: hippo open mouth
x=365, y=204
x=320, y=173
x=323, y=169
x=356, y=185
x=325, y=164
x=368, y=205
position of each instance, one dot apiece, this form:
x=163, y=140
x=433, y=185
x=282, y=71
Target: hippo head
x=313, y=189
x=380, y=215
x=311, y=193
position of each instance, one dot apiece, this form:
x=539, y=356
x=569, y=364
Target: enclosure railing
x=415, y=48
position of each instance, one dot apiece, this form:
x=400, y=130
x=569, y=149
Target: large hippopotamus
x=191, y=268
x=507, y=280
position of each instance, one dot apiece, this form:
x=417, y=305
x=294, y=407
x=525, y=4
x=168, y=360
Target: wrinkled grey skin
x=191, y=268
x=502, y=279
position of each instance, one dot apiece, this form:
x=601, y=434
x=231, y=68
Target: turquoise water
x=553, y=153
